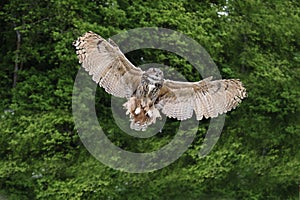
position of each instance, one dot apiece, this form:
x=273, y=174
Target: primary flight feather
x=148, y=92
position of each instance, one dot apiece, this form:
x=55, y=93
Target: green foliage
x=257, y=156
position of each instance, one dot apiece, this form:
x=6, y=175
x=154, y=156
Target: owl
x=147, y=92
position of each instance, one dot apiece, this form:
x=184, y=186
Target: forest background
x=257, y=155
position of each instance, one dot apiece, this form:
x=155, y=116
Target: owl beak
x=150, y=88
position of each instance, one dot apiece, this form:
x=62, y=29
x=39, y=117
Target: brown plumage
x=148, y=92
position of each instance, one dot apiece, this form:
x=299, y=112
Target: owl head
x=154, y=75
x=152, y=79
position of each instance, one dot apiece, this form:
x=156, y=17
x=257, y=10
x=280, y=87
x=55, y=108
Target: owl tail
x=142, y=113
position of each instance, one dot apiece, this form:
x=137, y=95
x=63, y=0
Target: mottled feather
x=207, y=98
x=107, y=65
x=148, y=92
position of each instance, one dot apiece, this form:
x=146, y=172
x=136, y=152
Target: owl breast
x=141, y=106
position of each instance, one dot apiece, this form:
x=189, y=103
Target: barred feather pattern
x=107, y=65
x=148, y=92
x=141, y=108
x=207, y=98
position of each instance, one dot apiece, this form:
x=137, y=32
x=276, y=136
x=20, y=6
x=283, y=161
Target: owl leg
x=130, y=106
x=135, y=109
x=142, y=113
x=153, y=113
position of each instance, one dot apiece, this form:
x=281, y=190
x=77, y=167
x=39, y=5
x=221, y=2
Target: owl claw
x=137, y=111
x=149, y=114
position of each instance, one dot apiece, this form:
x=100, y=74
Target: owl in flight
x=147, y=92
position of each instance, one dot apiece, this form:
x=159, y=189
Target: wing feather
x=107, y=65
x=207, y=98
x=175, y=106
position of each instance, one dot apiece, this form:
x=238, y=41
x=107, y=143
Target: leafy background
x=257, y=156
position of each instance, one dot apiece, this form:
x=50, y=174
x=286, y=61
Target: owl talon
x=147, y=92
x=137, y=111
x=149, y=114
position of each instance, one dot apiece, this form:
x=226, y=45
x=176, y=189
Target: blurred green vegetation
x=257, y=156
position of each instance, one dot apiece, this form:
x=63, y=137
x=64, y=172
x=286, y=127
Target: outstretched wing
x=207, y=98
x=107, y=65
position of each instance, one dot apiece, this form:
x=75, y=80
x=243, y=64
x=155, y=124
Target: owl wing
x=207, y=98
x=107, y=65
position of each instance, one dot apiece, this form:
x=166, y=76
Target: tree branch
x=16, y=69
